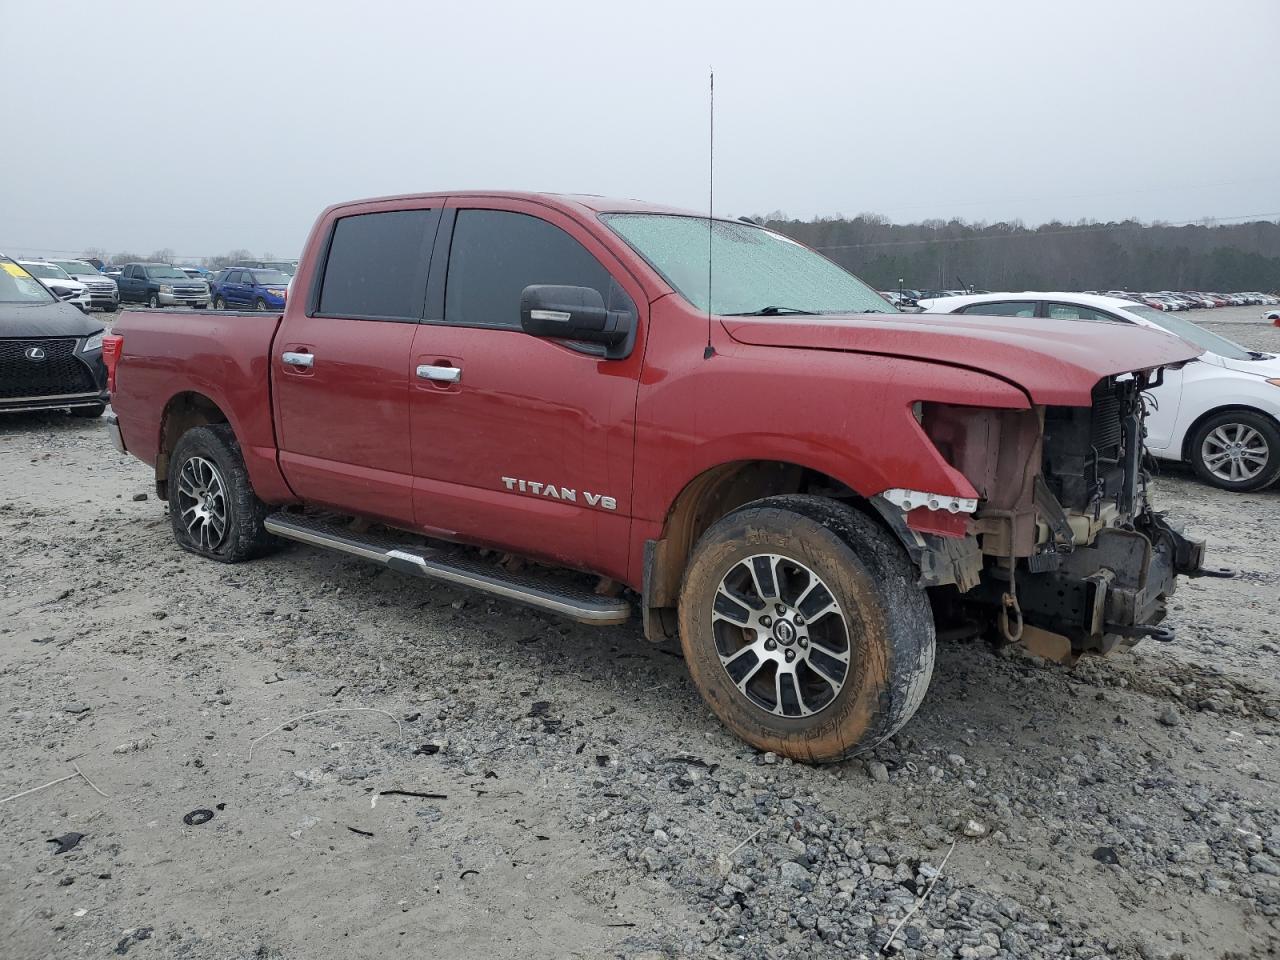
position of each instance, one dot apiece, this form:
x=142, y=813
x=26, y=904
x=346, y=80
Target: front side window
x=1072, y=311
x=495, y=254
x=377, y=266
x=1009, y=308
x=751, y=270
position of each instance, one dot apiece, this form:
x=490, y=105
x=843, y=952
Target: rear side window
x=377, y=265
x=495, y=254
x=1010, y=308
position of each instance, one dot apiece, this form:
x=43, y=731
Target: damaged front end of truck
x=1063, y=548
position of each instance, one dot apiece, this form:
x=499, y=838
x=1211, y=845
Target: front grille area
x=60, y=371
x=1084, y=462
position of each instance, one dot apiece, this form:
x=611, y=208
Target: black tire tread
x=908, y=659
x=248, y=538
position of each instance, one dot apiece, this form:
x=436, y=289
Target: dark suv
x=50, y=352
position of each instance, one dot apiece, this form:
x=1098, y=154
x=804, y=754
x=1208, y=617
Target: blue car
x=247, y=288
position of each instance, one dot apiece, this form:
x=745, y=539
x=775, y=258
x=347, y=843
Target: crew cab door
x=521, y=442
x=340, y=365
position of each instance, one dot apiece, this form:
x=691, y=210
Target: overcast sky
x=207, y=126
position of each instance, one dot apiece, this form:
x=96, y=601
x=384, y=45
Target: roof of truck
x=590, y=202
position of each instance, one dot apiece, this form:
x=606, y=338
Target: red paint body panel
x=1053, y=360
x=222, y=357
x=360, y=432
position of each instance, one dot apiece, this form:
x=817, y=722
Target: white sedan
x=1220, y=412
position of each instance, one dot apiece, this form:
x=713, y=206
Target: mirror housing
x=575, y=313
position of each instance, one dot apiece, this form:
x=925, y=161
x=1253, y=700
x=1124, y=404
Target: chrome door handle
x=298, y=359
x=443, y=374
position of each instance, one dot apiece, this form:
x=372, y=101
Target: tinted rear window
x=377, y=265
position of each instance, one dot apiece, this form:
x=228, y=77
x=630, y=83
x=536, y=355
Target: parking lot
x=504, y=784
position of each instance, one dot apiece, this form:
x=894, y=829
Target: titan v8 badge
x=559, y=493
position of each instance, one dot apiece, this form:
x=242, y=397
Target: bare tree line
x=1087, y=255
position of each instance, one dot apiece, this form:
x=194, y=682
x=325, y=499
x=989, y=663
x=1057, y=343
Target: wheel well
x=182, y=413
x=704, y=500
x=1199, y=421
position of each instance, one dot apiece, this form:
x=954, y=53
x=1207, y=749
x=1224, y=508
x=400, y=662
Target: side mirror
x=573, y=313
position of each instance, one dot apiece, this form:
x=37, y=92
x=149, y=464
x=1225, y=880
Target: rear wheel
x=1237, y=450
x=804, y=629
x=212, y=507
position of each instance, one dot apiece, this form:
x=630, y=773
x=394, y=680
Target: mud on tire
x=818, y=711
x=212, y=507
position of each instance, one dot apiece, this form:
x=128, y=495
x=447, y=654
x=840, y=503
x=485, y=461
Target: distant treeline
x=1127, y=255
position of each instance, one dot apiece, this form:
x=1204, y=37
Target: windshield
x=1192, y=333
x=166, y=273
x=75, y=266
x=46, y=270
x=284, y=266
x=269, y=276
x=18, y=286
x=752, y=269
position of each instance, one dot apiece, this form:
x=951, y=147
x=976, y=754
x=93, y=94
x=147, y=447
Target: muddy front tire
x=212, y=507
x=804, y=628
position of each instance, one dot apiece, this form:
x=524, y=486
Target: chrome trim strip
x=602, y=615
x=284, y=529
x=436, y=570
x=94, y=397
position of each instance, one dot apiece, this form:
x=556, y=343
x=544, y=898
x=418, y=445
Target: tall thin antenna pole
x=709, y=352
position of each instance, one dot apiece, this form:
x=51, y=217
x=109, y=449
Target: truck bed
x=174, y=357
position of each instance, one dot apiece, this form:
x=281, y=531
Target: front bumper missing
x=1116, y=587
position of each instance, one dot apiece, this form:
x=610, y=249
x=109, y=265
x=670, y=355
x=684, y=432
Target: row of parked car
x=1172, y=300
x=1167, y=300
x=256, y=284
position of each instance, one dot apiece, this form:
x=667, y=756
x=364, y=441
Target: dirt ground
x=542, y=790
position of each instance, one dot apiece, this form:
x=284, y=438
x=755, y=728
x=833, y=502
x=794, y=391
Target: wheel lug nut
x=799, y=620
x=771, y=644
x=780, y=608
x=766, y=621
x=804, y=642
x=789, y=655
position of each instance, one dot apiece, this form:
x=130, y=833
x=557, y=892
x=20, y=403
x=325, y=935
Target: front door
x=341, y=368
x=522, y=442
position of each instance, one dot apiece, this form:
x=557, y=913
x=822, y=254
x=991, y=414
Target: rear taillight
x=112, y=347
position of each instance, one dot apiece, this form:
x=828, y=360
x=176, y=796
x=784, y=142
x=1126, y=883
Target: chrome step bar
x=568, y=601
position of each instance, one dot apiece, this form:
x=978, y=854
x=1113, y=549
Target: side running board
x=544, y=593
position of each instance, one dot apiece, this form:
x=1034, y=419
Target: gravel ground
x=548, y=790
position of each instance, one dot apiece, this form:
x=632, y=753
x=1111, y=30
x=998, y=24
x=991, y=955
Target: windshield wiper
x=773, y=312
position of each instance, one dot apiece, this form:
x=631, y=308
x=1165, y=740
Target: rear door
x=341, y=365
x=529, y=445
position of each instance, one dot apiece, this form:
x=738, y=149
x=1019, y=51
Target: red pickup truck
x=711, y=421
